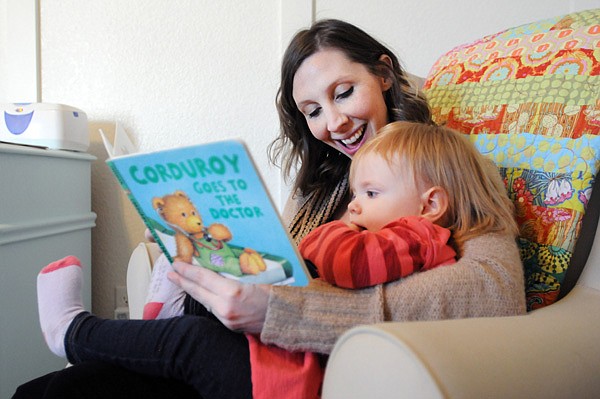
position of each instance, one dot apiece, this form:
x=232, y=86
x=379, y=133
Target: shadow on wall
x=118, y=227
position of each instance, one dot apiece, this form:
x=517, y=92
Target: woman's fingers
x=238, y=306
x=198, y=282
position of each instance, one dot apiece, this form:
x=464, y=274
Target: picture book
x=207, y=205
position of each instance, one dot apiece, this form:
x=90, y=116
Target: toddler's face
x=381, y=194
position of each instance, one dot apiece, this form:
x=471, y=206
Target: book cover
x=207, y=205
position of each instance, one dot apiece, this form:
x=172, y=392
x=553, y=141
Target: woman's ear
x=434, y=204
x=386, y=81
x=386, y=58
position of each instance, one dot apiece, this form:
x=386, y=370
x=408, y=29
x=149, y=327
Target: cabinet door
x=45, y=214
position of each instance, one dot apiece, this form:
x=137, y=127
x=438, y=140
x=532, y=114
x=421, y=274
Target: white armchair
x=139, y=271
x=552, y=352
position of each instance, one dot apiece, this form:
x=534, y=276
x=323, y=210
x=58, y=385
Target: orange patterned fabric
x=529, y=98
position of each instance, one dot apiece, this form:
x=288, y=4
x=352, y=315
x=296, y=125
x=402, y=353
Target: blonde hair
x=478, y=202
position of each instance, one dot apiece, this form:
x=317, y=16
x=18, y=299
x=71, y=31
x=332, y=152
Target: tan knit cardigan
x=487, y=281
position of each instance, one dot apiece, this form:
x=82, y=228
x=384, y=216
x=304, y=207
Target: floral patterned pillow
x=529, y=97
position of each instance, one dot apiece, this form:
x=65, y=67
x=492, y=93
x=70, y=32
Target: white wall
x=3, y=72
x=187, y=71
x=19, y=51
x=173, y=73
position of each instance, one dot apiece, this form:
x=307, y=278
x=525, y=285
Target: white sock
x=59, y=300
x=164, y=299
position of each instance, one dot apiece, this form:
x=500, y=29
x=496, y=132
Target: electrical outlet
x=121, y=297
x=121, y=313
x=121, y=303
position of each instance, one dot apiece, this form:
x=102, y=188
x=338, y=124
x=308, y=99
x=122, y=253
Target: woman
x=338, y=87
x=492, y=283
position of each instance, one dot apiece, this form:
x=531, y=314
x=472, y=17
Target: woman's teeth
x=354, y=138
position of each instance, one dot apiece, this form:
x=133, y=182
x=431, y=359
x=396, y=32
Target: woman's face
x=341, y=100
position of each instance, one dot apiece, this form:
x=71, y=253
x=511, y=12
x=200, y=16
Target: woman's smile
x=355, y=137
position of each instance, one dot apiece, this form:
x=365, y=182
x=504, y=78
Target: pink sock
x=164, y=299
x=59, y=300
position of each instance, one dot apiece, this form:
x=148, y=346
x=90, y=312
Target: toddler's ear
x=434, y=204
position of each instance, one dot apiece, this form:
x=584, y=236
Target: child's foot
x=59, y=300
x=164, y=299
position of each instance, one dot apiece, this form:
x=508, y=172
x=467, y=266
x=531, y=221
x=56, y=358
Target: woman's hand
x=240, y=307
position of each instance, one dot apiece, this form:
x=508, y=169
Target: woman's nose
x=336, y=120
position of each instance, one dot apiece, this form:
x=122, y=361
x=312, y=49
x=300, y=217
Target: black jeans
x=96, y=380
x=150, y=358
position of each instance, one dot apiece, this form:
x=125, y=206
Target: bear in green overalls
x=208, y=245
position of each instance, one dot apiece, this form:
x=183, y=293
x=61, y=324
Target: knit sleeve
x=310, y=319
x=358, y=259
x=487, y=281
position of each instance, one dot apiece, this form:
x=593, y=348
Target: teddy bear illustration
x=205, y=244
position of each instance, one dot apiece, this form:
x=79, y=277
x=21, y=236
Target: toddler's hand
x=149, y=236
x=355, y=227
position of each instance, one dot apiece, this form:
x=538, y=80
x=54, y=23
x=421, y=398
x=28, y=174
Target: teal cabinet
x=45, y=214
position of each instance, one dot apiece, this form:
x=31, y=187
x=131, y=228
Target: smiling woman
x=343, y=104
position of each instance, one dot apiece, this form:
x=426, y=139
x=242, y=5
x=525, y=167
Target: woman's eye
x=314, y=113
x=345, y=94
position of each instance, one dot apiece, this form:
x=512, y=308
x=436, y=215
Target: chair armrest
x=552, y=352
x=139, y=271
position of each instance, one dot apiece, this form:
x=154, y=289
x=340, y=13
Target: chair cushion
x=529, y=98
